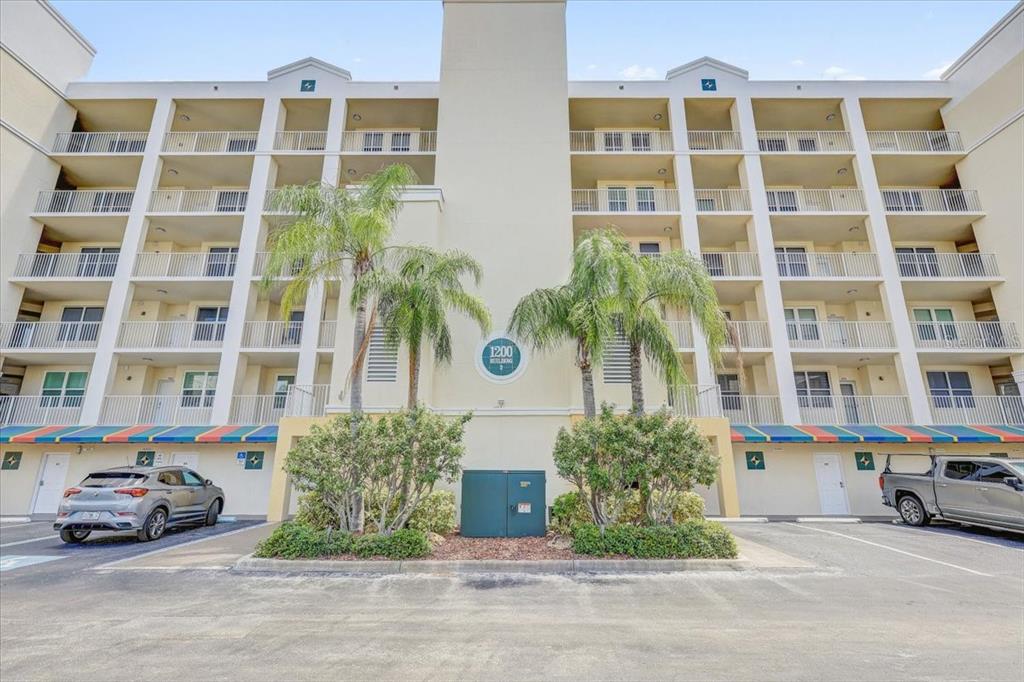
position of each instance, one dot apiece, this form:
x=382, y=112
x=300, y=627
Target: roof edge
x=983, y=41
x=68, y=26
x=707, y=61
x=309, y=61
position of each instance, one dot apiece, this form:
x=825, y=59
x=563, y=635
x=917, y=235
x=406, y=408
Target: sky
x=384, y=40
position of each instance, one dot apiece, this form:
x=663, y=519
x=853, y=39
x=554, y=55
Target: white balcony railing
x=714, y=140
x=257, y=409
x=198, y=200
x=752, y=409
x=855, y=409
x=978, y=409
x=683, y=331
x=328, y=334
x=722, y=200
x=169, y=410
x=840, y=335
x=966, y=335
x=260, y=266
x=100, y=143
x=41, y=410
x=307, y=401
x=823, y=265
x=947, y=265
x=913, y=200
x=171, y=335
x=389, y=141
x=185, y=265
x=84, y=201
x=49, y=335
x=804, y=141
x=300, y=140
x=697, y=400
x=66, y=265
x=731, y=264
x=816, y=201
x=620, y=141
x=278, y=334
x=750, y=334
x=625, y=200
x=220, y=142
x=915, y=141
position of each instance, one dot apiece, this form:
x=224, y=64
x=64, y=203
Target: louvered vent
x=616, y=360
x=381, y=358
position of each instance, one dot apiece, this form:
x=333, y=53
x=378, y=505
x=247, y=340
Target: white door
x=828, y=469
x=186, y=459
x=166, y=401
x=51, y=484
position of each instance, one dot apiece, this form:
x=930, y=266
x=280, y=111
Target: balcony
x=389, y=141
x=697, y=400
x=827, y=265
x=855, y=409
x=620, y=141
x=328, y=335
x=307, y=401
x=259, y=335
x=840, y=336
x=940, y=214
x=50, y=275
x=260, y=267
x=185, y=265
x=47, y=342
x=179, y=335
x=683, y=332
x=978, y=409
x=41, y=410
x=300, y=140
x=100, y=143
x=749, y=335
x=947, y=276
x=972, y=342
x=752, y=409
x=714, y=140
x=939, y=201
x=815, y=201
x=198, y=201
x=222, y=142
x=257, y=409
x=804, y=141
x=915, y=141
x=169, y=410
x=722, y=200
x=625, y=201
x=84, y=201
x=732, y=264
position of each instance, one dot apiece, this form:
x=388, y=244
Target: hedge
x=299, y=541
x=693, y=539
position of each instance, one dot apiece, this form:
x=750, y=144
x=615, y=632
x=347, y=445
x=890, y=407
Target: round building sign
x=500, y=359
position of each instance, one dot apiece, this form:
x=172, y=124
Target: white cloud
x=637, y=72
x=357, y=59
x=839, y=73
x=933, y=74
x=591, y=67
x=798, y=62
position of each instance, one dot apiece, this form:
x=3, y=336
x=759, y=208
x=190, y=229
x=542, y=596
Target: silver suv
x=147, y=500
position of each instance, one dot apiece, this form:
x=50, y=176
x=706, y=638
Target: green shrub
x=435, y=513
x=369, y=545
x=298, y=541
x=587, y=539
x=706, y=539
x=567, y=512
x=404, y=543
x=313, y=512
x=621, y=539
x=692, y=539
x=689, y=505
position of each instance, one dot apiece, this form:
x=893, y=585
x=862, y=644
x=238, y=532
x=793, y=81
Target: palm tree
x=414, y=299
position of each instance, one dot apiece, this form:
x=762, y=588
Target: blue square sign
x=307, y=86
x=708, y=84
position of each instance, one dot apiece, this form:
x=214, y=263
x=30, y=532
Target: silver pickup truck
x=976, y=491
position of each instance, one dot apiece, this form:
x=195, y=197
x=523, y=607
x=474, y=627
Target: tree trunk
x=589, y=405
x=636, y=377
x=414, y=376
x=359, y=333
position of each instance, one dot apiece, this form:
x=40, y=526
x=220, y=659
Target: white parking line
x=25, y=542
x=891, y=549
x=954, y=535
x=178, y=546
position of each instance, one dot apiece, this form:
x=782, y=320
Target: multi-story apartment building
x=865, y=238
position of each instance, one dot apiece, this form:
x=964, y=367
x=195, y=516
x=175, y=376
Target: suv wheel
x=212, y=513
x=912, y=511
x=73, y=537
x=156, y=524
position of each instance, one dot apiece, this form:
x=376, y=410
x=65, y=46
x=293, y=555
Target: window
x=992, y=473
x=802, y=324
x=373, y=142
x=715, y=264
x=929, y=325
x=917, y=261
x=807, y=144
x=649, y=249
x=111, y=479
x=80, y=323
x=210, y=323
x=792, y=261
x=97, y=261
x=241, y=144
x=120, y=146
x=729, y=388
x=615, y=363
x=813, y=389
x=220, y=261
x=782, y=201
x=902, y=200
x=108, y=202
x=381, y=358
x=231, y=202
x=617, y=199
x=645, y=199
x=198, y=389
x=641, y=141
x=950, y=389
x=63, y=389
x=960, y=471
x=292, y=334
x=171, y=477
x=282, y=385
x=192, y=478
x=613, y=142
x=400, y=142
x=772, y=144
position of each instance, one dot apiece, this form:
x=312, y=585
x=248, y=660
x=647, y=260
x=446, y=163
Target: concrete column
x=121, y=289
x=241, y=287
x=892, y=289
x=782, y=360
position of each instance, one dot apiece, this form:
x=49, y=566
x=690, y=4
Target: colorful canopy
x=855, y=433
x=142, y=433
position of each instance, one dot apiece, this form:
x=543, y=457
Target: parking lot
x=870, y=601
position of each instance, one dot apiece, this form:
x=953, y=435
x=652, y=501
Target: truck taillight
x=134, y=492
x=72, y=491
x=881, y=482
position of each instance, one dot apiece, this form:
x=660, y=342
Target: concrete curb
x=828, y=519
x=251, y=564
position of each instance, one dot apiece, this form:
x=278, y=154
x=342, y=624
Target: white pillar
x=121, y=289
x=881, y=243
x=782, y=360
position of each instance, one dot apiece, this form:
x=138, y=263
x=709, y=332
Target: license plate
x=90, y=516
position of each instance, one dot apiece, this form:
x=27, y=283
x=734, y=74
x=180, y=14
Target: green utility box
x=497, y=504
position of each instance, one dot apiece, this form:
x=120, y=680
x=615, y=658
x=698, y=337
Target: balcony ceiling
x=811, y=359
x=831, y=290
x=588, y=169
x=206, y=171
x=916, y=170
x=722, y=230
x=298, y=169
x=391, y=113
x=112, y=170
x=215, y=115
x=924, y=227
x=797, y=114
x=98, y=227
x=818, y=228
x=306, y=114
x=193, y=230
x=361, y=166
x=716, y=171
x=181, y=291
x=810, y=171
x=114, y=115
x=902, y=114
x=627, y=114
x=948, y=290
x=709, y=113
x=635, y=225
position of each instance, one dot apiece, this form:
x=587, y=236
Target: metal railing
x=263, y=259
x=840, y=335
x=731, y=264
x=855, y=409
x=389, y=141
x=750, y=334
x=215, y=142
x=696, y=400
x=277, y=334
x=966, y=335
x=722, y=200
x=66, y=265
x=912, y=200
x=300, y=140
x=625, y=200
x=307, y=401
x=49, y=335
x=180, y=335
x=100, y=143
x=620, y=141
x=714, y=140
x=804, y=141
x=752, y=409
x=328, y=334
x=823, y=265
x=951, y=265
x=198, y=200
x=170, y=410
x=257, y=409
x=188, y=265
x=816, y=201
x=84, y=201
x=41, y=410
x=977, y=409
x=683, y=331
x=887, y=141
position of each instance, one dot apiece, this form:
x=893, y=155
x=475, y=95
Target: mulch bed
x=458, y=548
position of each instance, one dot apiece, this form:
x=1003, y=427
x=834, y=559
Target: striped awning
x=855, y=433
x=140, y=433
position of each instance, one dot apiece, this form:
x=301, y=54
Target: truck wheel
x=212, y=513
x=154, y=527
x=912, y=511
x=73, y=537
